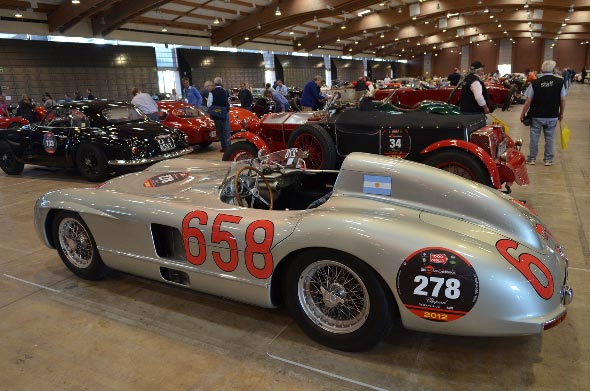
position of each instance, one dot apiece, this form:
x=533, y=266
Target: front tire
x=317, y=143
x=242, y=150
x=460, y=163
x=92, y=163
x=338, y=300
x=76, y=247
x=8, y=161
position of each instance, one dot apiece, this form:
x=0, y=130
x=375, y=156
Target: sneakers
x=548, y=163
x=531, y=162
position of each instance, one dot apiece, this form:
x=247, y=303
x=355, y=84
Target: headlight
x=504, y=156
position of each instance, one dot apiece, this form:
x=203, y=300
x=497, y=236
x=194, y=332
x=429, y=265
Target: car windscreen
x=117, y=115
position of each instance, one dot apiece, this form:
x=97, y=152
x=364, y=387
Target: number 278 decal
x=192, y=234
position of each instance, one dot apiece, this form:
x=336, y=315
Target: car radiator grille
x=486, y=139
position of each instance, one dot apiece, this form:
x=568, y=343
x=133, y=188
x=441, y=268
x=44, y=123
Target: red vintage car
x=462, y=144
x=12, y=122
x=198, y=126
x=409, y=97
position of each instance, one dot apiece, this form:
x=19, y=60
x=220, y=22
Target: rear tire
x=460, y=163
x=8, y=161
x=318, y=144
x=76, y=246
x=92, y=163
x=338, y=300
x=242, y=150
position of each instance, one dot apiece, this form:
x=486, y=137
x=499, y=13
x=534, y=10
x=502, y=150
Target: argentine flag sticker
x=374, y=184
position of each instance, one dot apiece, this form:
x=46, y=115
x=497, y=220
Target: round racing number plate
x=437, y=284
x=395, y=142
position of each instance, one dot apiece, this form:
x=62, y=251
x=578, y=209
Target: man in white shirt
x=144, y=102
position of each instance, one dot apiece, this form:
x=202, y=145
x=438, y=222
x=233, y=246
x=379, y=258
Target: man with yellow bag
x=545, y=104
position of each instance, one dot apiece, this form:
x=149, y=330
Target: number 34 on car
x=350, y=252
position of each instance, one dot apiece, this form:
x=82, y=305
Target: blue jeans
x=223, y=131
x=548, y=126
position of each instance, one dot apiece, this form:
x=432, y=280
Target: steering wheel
x=247, y=184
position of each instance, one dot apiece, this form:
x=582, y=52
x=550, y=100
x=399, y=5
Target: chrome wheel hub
x=333, y=296
x=75, y=243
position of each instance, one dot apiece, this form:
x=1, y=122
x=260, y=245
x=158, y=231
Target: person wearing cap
x=545, y=104
x=474, y=96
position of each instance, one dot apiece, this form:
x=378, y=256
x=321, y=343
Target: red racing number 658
x=193, y=234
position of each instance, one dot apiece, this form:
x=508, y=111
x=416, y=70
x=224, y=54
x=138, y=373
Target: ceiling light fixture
x=75, y=1
x=342, y=27
x=164, y=29
x=363, y=13
x=18, y=14
x=278, y=11
x=382, y=35
x=246, y=38
x=526, y=5
x=338, y=39
x=486, y=10
x=399, y=10
x=298, y=43
x=216, y=21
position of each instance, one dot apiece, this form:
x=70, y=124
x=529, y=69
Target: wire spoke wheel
x=75, y=243
x=334, y=297
x=458, y=169
x=310, y=144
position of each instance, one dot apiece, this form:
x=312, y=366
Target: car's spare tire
x=317, y=144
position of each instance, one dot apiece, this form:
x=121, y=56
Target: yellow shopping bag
x=565, y=135
x=497, y=120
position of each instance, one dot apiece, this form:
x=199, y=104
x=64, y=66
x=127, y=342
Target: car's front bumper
x=140, y=162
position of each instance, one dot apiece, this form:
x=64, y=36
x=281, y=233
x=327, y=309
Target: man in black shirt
x=245, y=96
x=545, y=104
x=454, y=77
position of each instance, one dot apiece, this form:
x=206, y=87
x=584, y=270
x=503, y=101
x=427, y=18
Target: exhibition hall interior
x=294, y=195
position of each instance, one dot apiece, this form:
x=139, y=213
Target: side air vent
x=167, y=242
x=175, y=276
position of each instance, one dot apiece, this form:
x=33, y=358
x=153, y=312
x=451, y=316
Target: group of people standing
x=544, y=105
x=214, y=100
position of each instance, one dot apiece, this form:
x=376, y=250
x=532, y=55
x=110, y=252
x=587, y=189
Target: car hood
x=139, y=129
x=175, y=179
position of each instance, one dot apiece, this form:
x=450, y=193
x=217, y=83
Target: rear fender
x=473, y=149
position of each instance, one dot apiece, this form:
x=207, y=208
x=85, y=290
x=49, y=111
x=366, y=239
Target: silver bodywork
x=428, y=208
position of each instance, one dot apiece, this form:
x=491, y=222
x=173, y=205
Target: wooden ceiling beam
x=120, y=13
x=294, y=12
x=68, y=14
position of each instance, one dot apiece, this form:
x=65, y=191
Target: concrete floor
x=58, y=332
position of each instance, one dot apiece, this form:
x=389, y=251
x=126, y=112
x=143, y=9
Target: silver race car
x=349, y=252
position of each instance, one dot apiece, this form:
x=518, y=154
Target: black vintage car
x=96, y=137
